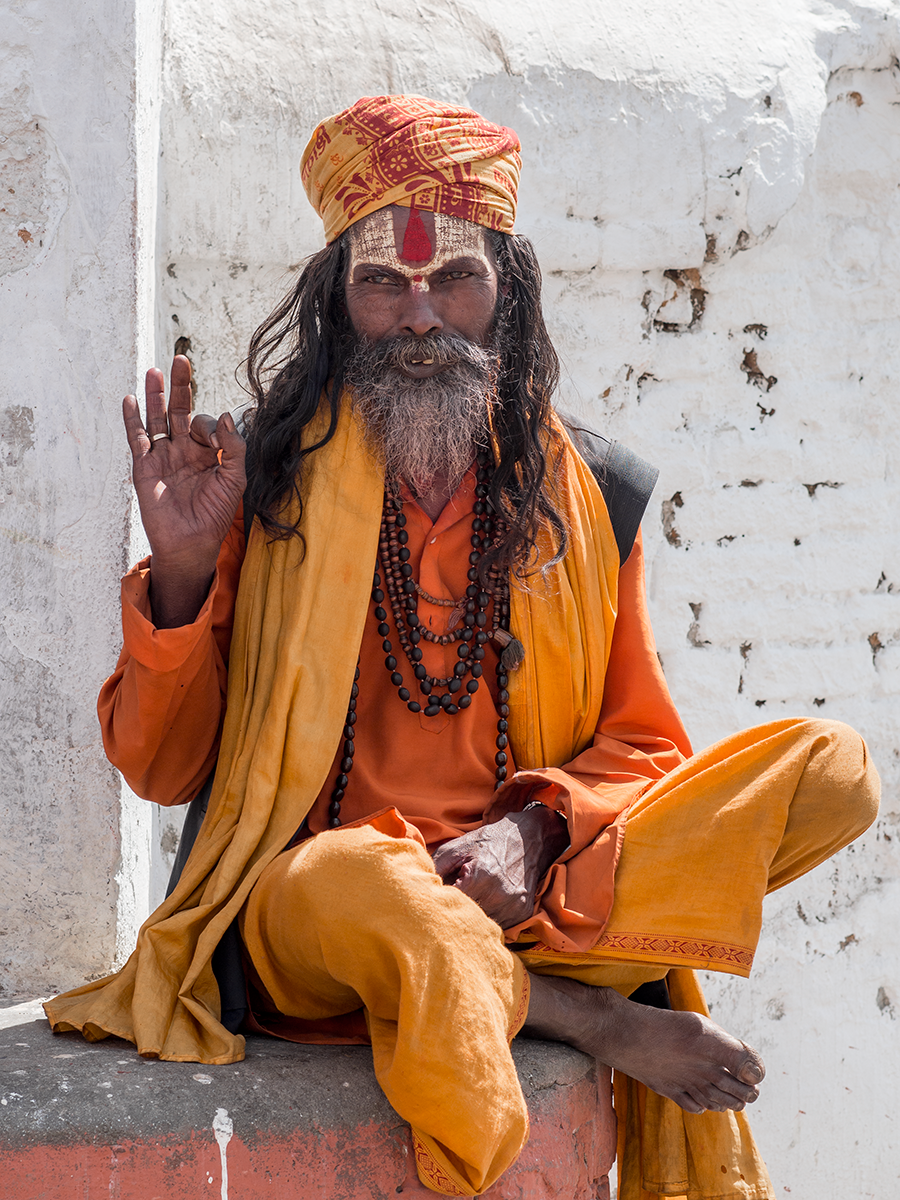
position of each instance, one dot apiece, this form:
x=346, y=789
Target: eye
x=379, y=278
x=457, y=274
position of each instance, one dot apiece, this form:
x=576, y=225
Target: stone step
x=290, y=1122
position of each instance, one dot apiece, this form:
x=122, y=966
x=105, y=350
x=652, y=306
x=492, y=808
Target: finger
x=180, y=399
x=134, y=427
x=203, y=430
x=155, y=393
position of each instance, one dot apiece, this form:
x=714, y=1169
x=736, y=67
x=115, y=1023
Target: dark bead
x=397, y=679
x=403, y=693
x=481, y=638
x=406, y=570
x=472, y=686
x=386, y=646
x=479, y=508
x=478, y=653
x=474, y=557
x=502, y=742
x=503, y=697
x=502, y=726
x=378, y=596
x=401, y=520
x=475, y=540
x=503, y=710
x=452, y=710
x=501, y=773
x=337, y=796
x=347, y=763
x=349, y=742
x=467, y=634
x=460, y=669
x=383, y=629
x=403, y=537
x=334, y=822
x=471, y=591
x=408, y=585
x=446, y=700
x=484, y=599
x=390, y=662
x=415, y=637
x=414, y=706
x=425, y=687
x=416, y=655
x=477, y=670
x=481, y=620
x=354, y=692
x=500, y=759
x=481, y=475
x=502, y=679
x=464, y=701
x=419, y=671
x=454, y=685
x=462, y=650
x=356, y=672
x=413, y=621
x=403, y=554
x=341, y=781
x=432, y=710
x=472, y=574
x=351, y=718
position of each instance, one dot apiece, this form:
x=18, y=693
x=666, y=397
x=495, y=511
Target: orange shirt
x=161, y=714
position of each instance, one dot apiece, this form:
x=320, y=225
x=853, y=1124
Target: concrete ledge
x=289, y=1123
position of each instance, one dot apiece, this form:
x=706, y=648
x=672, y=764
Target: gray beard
x=423, y=428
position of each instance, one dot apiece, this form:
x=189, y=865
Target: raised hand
x=187, y=497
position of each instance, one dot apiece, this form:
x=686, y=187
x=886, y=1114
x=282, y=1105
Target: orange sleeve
x=161, y=710
x=639, y=737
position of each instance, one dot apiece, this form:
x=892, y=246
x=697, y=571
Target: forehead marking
x=414, y=235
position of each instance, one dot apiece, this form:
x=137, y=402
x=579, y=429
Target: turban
x=415, y=152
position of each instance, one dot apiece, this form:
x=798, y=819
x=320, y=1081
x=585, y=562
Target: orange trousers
x=358, y=917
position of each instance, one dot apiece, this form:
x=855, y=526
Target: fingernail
x=214, y=442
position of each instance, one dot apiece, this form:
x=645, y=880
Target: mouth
x=421, y=362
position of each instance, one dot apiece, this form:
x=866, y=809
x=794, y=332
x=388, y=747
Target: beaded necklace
x=393, y=582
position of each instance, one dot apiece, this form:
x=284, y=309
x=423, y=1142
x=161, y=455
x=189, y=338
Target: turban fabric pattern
x=414, y=152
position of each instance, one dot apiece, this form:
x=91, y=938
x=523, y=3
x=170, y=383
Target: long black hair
x=299, y=352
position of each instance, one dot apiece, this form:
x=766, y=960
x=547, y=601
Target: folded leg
x=357, y=917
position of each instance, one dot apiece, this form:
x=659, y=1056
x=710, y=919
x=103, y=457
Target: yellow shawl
x=289, y=679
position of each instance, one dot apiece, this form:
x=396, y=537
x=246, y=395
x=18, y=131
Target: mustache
x=444, y=350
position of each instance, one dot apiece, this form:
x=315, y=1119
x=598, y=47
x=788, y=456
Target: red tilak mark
x=416, y=242
x=418, y=278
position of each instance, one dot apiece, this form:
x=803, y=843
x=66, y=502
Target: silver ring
x=156, y=436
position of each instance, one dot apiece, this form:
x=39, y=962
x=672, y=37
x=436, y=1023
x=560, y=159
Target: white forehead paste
x=372, y=241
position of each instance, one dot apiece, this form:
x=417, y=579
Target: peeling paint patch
x=671, y=534
x=755, y=375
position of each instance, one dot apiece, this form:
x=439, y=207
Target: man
x=441, y=727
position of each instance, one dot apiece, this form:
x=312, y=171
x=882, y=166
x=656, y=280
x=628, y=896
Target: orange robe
x=161, y=714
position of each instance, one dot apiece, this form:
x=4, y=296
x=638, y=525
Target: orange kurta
x=161, y=714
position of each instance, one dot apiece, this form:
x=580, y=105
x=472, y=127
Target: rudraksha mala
x=468, y=628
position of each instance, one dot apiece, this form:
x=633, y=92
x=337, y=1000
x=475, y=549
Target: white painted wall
x=753, y=153
x=713, y=190
x=69, y=328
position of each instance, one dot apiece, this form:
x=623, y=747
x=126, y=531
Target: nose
x=419, y=315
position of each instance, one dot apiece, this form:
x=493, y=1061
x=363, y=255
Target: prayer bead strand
x=393, y=582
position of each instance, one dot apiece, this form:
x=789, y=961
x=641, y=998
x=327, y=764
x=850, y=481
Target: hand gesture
x=187, y=496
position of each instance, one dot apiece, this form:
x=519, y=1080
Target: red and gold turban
x=404, y=149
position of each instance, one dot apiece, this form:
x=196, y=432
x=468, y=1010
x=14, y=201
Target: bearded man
x=453, y=798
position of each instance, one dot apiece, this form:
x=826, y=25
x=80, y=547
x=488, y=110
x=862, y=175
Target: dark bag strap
x=625, y=480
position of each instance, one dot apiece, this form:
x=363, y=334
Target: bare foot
x=680, y=1055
